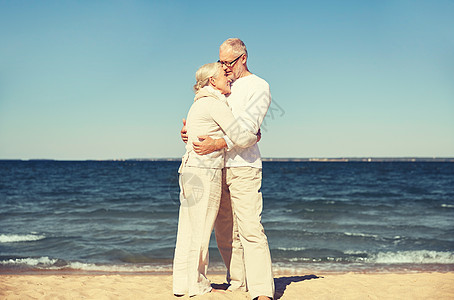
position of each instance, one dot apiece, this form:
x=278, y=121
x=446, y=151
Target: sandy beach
x=307, y=286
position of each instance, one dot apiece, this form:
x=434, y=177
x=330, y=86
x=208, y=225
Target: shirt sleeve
x=229, y=142
x=223, y=116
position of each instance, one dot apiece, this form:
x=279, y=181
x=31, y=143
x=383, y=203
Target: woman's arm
x=223, y=116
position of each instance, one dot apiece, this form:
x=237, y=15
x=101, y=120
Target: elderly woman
x=200, y=178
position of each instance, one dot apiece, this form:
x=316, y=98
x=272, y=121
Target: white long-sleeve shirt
x=210, y=115
x=249, y=100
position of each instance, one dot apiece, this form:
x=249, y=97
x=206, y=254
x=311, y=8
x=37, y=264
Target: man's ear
x=244, y=59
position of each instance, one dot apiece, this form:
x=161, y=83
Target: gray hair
x=238, y=47
x=204, y=73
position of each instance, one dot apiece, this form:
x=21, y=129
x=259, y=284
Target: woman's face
x=221, y=82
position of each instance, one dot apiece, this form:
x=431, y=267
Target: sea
x=121, y=216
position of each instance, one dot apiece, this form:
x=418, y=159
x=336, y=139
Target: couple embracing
x=220, y=179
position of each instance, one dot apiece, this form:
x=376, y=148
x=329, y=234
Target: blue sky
x=113, y=79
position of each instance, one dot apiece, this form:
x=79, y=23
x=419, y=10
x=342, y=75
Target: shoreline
x=218, y=268
x=277, y=273
x=424, y=285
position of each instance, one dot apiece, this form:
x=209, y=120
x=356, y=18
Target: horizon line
x=270, y=159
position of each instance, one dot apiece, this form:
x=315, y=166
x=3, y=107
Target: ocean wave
x=353, y=260
x=42, y=262
x=14, y=238
x=131, y=268
x=412, y=257
x=118, y=268
x=360, y=234
x=447, y=205
x=420, y=257
x=46, y=263
x=291, y=248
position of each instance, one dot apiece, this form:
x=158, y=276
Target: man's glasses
x=230, y=64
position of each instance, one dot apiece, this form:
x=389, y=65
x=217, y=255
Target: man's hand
x=184, y=132
x=206, y=145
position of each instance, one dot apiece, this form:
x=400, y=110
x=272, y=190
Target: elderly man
x=239, y=233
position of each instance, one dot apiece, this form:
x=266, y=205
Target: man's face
x=232, y=71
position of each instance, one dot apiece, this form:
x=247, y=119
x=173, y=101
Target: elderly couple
x=220, y=179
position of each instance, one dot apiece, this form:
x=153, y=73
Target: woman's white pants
x=200, y=194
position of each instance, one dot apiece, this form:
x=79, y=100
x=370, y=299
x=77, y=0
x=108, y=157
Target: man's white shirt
x=249, y=100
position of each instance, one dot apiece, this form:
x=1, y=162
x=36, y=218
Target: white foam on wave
x=56, y=264
x=412, y=257
x=33, y=262
x=447, y=205
x=14, y=238
x=119, y=268
x=292, y=248
x=420, y=257
x=360, y=234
